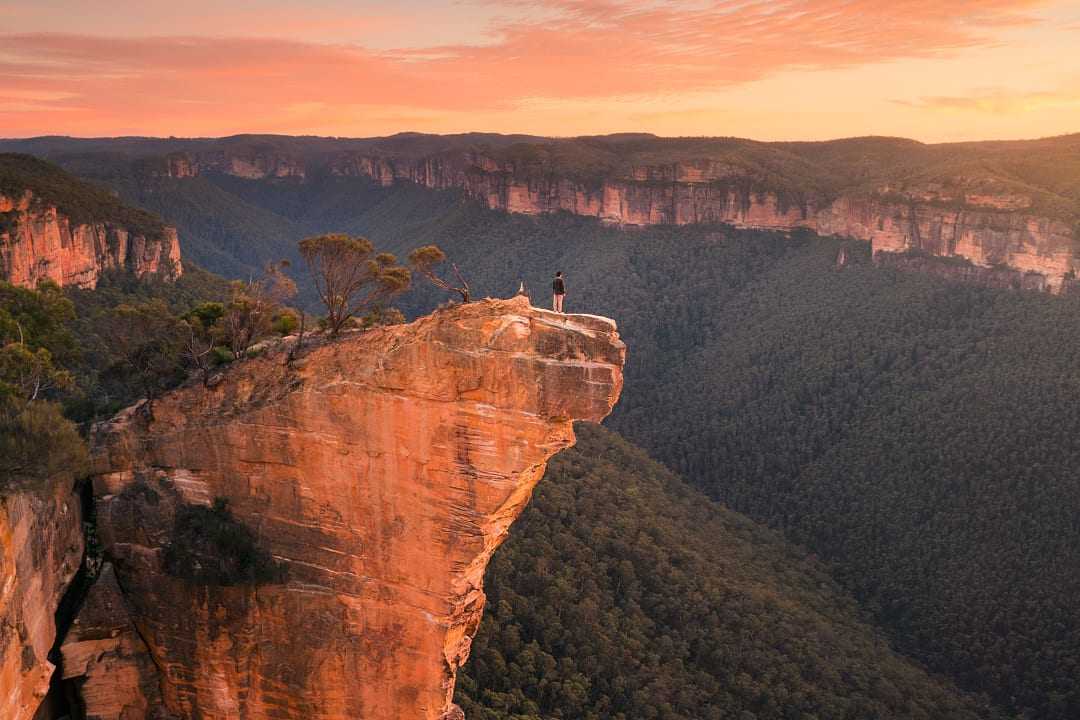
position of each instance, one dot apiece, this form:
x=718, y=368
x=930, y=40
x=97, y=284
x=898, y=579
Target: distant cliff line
x=987, y=230
x=999, y=205
x=978, y=202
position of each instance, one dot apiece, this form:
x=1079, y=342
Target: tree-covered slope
x=623, y=593
x=924, y=438
x=236, y=226
x=218, y=229
x=80, y=201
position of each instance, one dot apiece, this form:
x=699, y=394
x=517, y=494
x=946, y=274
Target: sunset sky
x=792, y=69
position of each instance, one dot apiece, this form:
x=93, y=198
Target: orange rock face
x=381, y=471
x=41, y=547
x=104, y=655
x=1021, y=242
x=42, y=244
x=250, y=165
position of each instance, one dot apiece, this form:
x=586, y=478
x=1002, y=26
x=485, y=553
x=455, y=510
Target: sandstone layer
x=41, y=549
x=986, y=230
x=250, y=165
x=107, y=661
x=379, y=472
x=39, y=243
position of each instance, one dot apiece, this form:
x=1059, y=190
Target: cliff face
x=41, y=546
x=987, y=238
x=40, y=243
x=250, y=165
x=378, y=474
x=649, y=195
x=988, y=227
x=984, y=229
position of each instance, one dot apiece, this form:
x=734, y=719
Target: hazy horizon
x=537, y=136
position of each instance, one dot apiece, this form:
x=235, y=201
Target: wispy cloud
x=562, y=49
x=998, y=101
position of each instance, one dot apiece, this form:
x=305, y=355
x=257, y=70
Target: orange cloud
x=568, y=49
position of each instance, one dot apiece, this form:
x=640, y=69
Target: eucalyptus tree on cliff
x=350, y=276
x=424, y=260
x=36, y=441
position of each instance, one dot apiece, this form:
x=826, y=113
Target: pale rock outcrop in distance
x=986, y=230
x=41, y=243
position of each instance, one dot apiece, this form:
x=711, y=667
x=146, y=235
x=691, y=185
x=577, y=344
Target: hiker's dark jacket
x=559, y=287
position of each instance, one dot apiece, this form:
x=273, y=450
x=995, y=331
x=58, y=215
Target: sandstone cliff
x=41, y=546
x=376, y=475
x=253, y=165
x=38, y=242
x=996, y=204
x=987, y=230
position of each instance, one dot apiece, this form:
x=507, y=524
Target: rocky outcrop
x=987, y=239
x=250, y=165
x=106, y=659
x=41, y=549
x=358, y=494
x=986, y=230
x=953, y=268
x=37, y=242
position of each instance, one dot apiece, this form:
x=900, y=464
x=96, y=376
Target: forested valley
x=919, y=437
x=624, y=593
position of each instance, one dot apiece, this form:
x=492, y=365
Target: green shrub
x=286, y=322
x=222, y=355
x=36, y=443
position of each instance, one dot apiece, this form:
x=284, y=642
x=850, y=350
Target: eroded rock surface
x=377, y=475
x=39, y=243
x=41, y=548
x=106, y=659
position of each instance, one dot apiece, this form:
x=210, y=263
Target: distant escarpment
x=985, y=229
x=55, y=227
x=308, y=539
x=1009, y=205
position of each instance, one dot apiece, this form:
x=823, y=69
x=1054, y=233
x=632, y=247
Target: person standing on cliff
x=558, y=288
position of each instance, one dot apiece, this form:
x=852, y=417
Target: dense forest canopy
x=81, y=202
x=622, y=593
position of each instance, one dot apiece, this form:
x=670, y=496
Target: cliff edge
x=54, y=226
x=39, y=242
x=308, y=540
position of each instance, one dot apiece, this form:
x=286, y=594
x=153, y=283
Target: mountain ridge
x=1010, y=204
